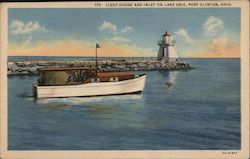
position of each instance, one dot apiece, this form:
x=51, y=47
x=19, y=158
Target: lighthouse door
x=166, y=53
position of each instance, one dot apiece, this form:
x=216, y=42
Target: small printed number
x=229, y=153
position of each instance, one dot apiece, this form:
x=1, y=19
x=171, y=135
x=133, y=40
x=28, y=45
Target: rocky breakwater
x=30, y=67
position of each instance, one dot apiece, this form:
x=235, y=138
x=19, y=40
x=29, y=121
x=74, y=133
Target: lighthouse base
x=164, y=59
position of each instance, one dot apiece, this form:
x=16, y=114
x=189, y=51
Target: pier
x=30, y=67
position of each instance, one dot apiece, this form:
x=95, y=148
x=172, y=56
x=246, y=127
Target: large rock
x=33, y=70
x=20, y=64
x=150, y=66
x=13, y=67
x=122, y=67
x=43, y=63
x=141, y=65
x=22, y=69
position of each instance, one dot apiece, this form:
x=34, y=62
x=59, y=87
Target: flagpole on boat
x=96, y=63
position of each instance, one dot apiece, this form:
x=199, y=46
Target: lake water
x=72, y=58
x=199, y=111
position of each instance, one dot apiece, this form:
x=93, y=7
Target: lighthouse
x=167, y=48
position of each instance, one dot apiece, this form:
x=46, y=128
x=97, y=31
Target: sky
x=198, y=32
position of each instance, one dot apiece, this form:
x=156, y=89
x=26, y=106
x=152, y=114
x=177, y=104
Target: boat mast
x=96, y=63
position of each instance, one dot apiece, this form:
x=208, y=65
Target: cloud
x=19, y=27
x=183, y=34
x=127, y=29
x=133, y=48
x=114, y=29
x=224, y=46
x=27, y=42
x=212, y=25
x=108, y=26
x=120, y=39
x=218, y=47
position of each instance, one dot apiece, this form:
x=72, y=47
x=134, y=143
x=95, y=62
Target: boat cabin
x=115, y=76
x=65, y=76
x=78, y=75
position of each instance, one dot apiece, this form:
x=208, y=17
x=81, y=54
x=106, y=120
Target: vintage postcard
x=122, y=80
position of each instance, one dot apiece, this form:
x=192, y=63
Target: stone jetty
x=30, y=67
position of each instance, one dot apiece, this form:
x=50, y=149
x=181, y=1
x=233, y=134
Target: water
x=72, y=58
x=200, y=110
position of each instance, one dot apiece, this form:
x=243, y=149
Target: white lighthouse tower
x=167, y=48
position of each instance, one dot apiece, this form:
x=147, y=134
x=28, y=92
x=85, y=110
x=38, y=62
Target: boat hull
x=91, y=89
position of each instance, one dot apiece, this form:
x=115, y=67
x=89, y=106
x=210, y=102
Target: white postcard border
x=124, y=154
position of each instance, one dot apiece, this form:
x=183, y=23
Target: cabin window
x=114, y=79
x=95, y=80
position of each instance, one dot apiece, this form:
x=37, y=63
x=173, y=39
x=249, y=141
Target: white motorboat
x=74, y=82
